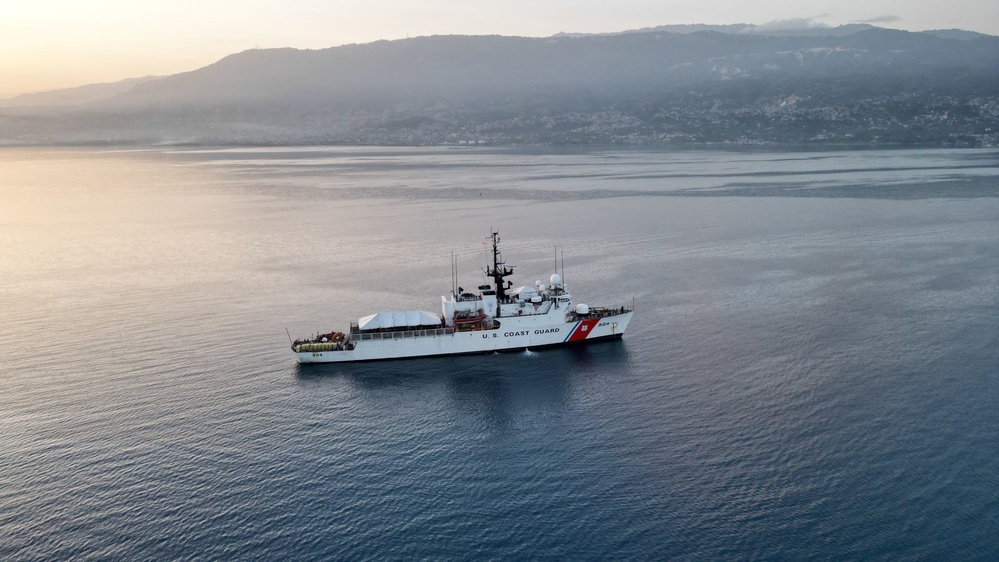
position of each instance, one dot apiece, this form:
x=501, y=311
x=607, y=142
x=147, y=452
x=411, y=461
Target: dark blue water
x=813, y=369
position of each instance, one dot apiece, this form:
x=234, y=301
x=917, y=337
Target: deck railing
x=598, y=312
x=399, y=334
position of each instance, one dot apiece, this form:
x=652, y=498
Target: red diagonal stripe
x=583, y=330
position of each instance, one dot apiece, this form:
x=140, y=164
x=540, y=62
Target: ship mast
x=499, y=270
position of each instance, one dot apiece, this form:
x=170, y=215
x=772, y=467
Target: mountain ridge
x=717, y=86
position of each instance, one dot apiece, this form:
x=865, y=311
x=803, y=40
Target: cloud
x=880, y=19
x=790, y=24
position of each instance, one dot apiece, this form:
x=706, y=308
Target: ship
x=495, y=318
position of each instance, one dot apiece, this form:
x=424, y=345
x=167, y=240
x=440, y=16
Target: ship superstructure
x=496, y=317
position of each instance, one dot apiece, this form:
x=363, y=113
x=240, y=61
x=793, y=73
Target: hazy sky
x=48, y=44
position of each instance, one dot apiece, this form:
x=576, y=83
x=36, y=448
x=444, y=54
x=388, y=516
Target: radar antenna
x=499, y=270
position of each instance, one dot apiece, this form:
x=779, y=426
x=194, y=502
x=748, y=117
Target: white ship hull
x=528, y=332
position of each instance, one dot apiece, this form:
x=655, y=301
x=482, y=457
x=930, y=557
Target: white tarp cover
x=525, y=292
x=405, y=319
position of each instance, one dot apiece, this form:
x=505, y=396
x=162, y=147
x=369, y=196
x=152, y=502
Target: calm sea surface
x=812, y=372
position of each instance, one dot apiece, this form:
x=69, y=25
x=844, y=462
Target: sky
x=53, y=44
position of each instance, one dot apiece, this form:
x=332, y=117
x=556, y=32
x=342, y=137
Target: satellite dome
x=556, y=279
x=582, y=309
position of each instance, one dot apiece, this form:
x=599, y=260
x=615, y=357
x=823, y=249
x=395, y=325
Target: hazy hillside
x=850, y=84
x=75, y=96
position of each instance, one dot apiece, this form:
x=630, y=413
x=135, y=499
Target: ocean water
x=812, y=372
